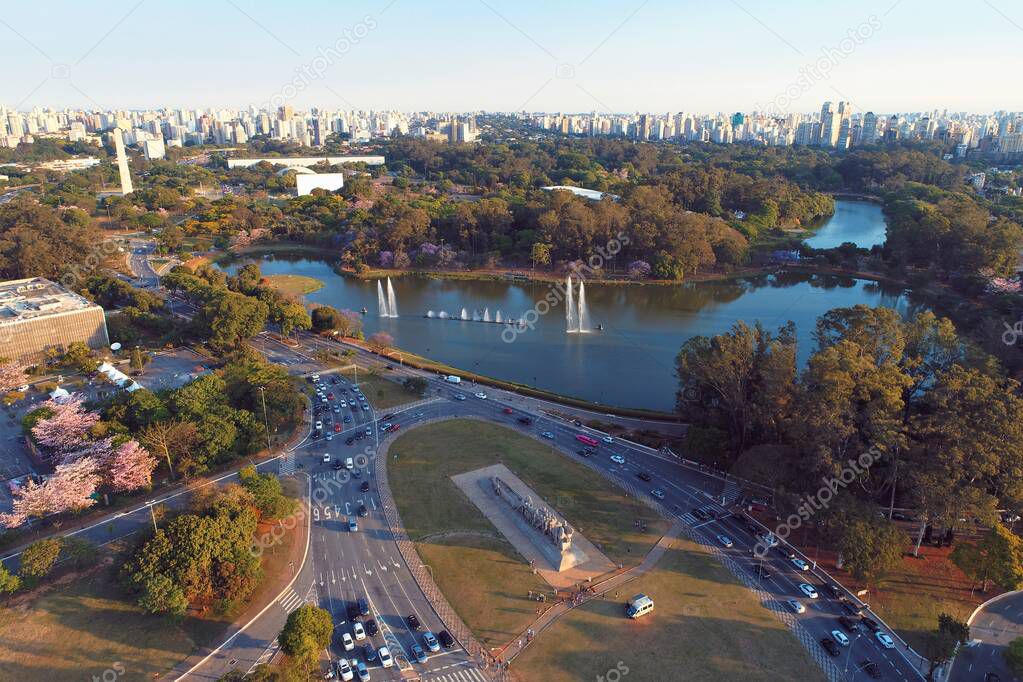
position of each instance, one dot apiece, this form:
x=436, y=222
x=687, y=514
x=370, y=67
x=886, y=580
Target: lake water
x=629, y=364
x=859, y=222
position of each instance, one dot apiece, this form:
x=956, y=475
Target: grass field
x=486, y=580
x=382, y=393
x=87, y=625
x=705, y=627
x=294, y=285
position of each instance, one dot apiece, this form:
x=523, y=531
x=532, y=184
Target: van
x=640, y=605
x=349, y=463
x=453, y=379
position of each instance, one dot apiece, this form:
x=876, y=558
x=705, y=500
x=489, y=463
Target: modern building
x=305, y=183
x=306, y=161
x=37, y=315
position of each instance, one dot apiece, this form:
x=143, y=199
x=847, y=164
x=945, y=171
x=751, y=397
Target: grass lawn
x=486, y=580
x=294, y=285
x=382, y=393
x=86, y=625
x=705, y=626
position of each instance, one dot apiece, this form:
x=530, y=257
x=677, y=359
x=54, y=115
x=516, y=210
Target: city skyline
x=739, y=56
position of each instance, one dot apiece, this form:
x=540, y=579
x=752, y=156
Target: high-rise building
x=37, y=315
x=831, y=122
x=869, y=135
x=122, y=161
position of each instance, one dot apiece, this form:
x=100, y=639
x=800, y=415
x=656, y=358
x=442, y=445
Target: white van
x=349, y=464
x=453, y=379
x=640, y=605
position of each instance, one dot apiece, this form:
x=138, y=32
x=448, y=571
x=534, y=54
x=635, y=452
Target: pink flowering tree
x=12, y=375
x=70, y=488
x=65, y=429
x=129, y=467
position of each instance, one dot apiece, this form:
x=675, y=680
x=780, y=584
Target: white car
x=795, y=605
x=800, y=564
x=326, y=458
x=840, y=637
x=725, y=540
x=808, y=590
x=481, y=395
x=608, y=439
x=347, y=641
x=385, y=657
x=549, y=435
x=360, y=632
x=344, y=670
x=617, y=459
x=329, y=436
x=886, y=641
x=319, y=425
x=658, y=493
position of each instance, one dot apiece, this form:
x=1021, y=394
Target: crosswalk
x=290, y=601
x=287, y=465
x=464, y=675
x=731, y=493
x=693, y=521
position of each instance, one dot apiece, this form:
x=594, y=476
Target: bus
x=587, y=440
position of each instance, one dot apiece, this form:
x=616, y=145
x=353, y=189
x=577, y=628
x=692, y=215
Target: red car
x=337, y=427
x=393, y=428
x=507, y=410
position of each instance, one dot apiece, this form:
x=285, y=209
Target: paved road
x=138, y=261
x=994, y=625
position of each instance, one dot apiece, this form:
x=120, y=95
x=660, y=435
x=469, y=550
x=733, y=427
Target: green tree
x=996, y=557
x=266, y=492
x=38, y=558
x=871, y=548
x=230, y=318
x=1014, y=656
x=307, y=632
x=415, y=385
x=8, y=581
x=540, y=253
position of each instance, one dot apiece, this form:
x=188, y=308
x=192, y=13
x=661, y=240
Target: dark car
x=413, y=621
x=753, y=529
x=387, y=417
x=349, y=440
x=870, y=623
x=371, y=627
x=353, y=610
x=363, y=511
x=369, y=652
x=643, y=476
x=870, y=668
x=849, y=607
x=830, y=646
x=992, y=677
x=763, y=573
x=363, y=606
x=338, y=465
x=848, y=624
x=833, y=590
x=583, y=452
x=364, y=487
x=445, y=639
x=700, y=514
x=525, y=421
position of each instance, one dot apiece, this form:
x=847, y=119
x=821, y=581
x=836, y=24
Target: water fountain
x=429, y=313
x=571, y=324
x=392, y=303
x=443, y=315
x=498, y=318
x=584, y=312
x=486, y=314
x=465, y=315
x=381, y=301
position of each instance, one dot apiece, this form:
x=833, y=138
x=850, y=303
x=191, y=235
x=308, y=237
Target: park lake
x=630, y=362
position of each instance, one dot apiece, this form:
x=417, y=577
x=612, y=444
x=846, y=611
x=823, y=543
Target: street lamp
x=849, y=655
x=151, y=504
x=266, y=422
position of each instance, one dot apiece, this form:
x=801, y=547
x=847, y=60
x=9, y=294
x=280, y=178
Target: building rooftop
x=26, y=299
x=592, y=194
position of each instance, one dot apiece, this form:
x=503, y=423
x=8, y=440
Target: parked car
x=364, y=488
x=885, y=639
x=363, y=606
x=372, y=628
x=359, y=631
x=362, y=671
x=446, y=640
x=418, y=654
x=413, y=621
x=385, y=657
x=830, y=646
x=347, y=642
x=431, y=641
x=840, y=637
x=344, y=670
x=363, y=511
x=369, y=652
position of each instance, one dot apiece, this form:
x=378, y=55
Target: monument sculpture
x=557, y=532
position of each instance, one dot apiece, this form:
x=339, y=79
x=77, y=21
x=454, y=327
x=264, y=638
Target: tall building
x=37, y=315
x=122, y=161
x=869, y=135
x=831, y=122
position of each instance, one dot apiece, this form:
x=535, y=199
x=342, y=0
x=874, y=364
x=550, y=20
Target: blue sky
x=628, y=55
